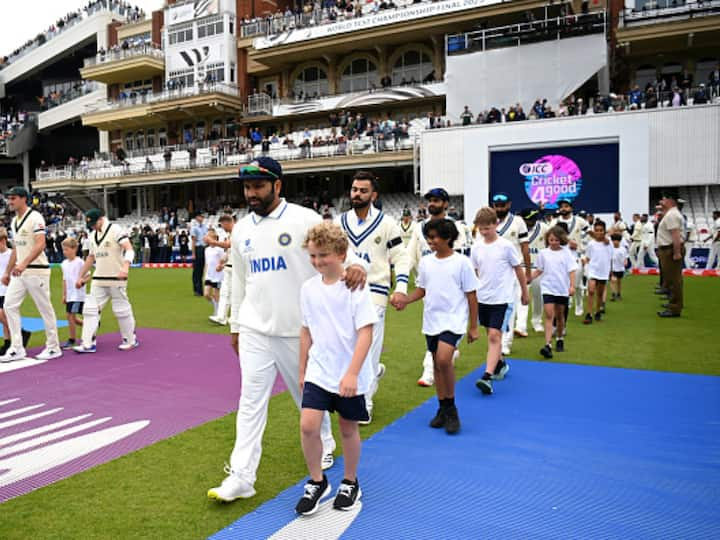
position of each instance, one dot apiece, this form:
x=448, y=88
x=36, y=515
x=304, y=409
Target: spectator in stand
x=167, y=156
x=651, y=101
x=467, y=116
x=700, y=97
x=714, y=81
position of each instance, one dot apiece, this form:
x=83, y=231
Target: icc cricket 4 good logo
x=552, y=178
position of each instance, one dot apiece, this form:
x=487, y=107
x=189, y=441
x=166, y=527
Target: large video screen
x=585, y=174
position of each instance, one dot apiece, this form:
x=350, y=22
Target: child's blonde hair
x=3, y=234
x=70, y=243
x=328, y=235
x=485, y=216
x=212, y=234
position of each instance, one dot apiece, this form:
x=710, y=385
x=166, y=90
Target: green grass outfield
x=159, y=491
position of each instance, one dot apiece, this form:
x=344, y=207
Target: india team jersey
x=377, y=240
x=513, y=228
x=577, y=228
x=24, y=228
x=105, y=247
x=648, y=233
x=418, y=246
x=536, y=240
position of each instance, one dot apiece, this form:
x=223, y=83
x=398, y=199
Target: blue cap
x=501, y=198
x=262, y=168
x=438, y=193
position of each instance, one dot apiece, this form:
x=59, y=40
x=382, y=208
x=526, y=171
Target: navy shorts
x=446, y=337
x=492, y=315
x=599, y=281
x=619, y=275
x=317, y=398
x=552, y=299
x=2, y=302
x=213, y=284
x=74, y=307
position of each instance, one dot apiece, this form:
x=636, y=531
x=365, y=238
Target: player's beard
x=358, y=204
x=565, y=213
x=262, y=206
x=435, y=211
x=501, y=213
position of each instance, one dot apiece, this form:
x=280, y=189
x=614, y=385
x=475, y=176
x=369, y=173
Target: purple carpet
x=64, y=416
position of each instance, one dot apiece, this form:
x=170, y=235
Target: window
x=230, y=128
x=311, y=81
x=413, y=65
x=181, y=78
x=232, y=27
x=180, y=35
x=210, y=27
x=232, y=73
x=151, y=138
x=140, y=140
x=360, y=74
x=129, y=142
x=162, y=138
x=200, y=131
x=215, y=72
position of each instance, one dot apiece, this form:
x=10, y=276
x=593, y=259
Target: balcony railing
x=81, y=89
x=667, y=10
x=142, y=98
x=122, y=54
x=221, y=155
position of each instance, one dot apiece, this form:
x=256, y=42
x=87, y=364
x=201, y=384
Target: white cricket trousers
x=95, y=302
x=579, y=289
x=225, y=292
x=634, y=254
x=262, y=357
x=648, y=249
x=376, y=350
x=537, y=308
x=507, y=337
x=38, y=287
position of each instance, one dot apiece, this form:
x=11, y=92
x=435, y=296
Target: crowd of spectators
x=124, y=9
x=66, y=93
x=128, y=46
x=10, y=123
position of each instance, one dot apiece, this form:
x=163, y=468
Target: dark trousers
x=672, y=276
x=198, y=268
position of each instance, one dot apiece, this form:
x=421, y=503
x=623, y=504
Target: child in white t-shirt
x=447, y=283
x=619, y=263
x=556, y=266
x=497, y=264
x=598, y=261
x=73, y=298
x=5, y=253
x=213, y=271
x=335, y=339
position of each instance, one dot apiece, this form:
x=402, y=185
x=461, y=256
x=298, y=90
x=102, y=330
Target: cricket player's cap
x=18, y=191
x=530, y=213
x=406, y=212
x=501, y=198
x=262, y=168
x=565, y=201
x=582, y=213
x=438, y=193
x=92, y=216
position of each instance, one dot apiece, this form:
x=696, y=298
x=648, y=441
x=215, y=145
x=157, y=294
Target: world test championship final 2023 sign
x=552, y=178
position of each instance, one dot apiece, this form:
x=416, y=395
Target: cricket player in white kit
x=112, y=253
x=269, y=268
x=713, y=260
x=648, y=242
x=577, y=229
x=224, y=233
x=375, y=238
x=536, y=241
x=513, y=228
x=30, y=271
x=438, y=201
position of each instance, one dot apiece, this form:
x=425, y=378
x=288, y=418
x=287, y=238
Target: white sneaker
x=126, y=345
x=12, y=355
x=48, y=354
x=538, y=328
x=217, y=320
x=369, y=407
x=381, y=371
x=328, y=460
x=232, y=488
x=427, y=378
x=506, y=350
x=456, y=355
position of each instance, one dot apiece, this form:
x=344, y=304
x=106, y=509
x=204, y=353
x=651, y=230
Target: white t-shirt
x=4, y=260
x=446, y=281
x=618, y=258
x=600, y=257
x=495, y=266
x=556, y=265
x=333, y=314
x=71, y=273
x=213, y=256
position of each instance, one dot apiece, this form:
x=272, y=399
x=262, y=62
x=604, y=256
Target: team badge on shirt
x=378, y=240
x=284, y=239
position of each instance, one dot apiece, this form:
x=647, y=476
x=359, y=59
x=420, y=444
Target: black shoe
x=348, y=495
x=546, y=351
x=613, y=297
x=588, y=319
x=452, y=423
x=666, y=305
x=485, y=386
x=662, y=291
x=667, y=314
x=26, y=334
x=602, y=308
x=598, y=316
x=440, y=419
x=560, y=345
x=314, y=491
x=5, y=347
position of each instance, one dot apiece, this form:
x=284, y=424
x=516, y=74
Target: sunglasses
x=252, y=170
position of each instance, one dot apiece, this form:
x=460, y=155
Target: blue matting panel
x=35, y=324
x=559, y=451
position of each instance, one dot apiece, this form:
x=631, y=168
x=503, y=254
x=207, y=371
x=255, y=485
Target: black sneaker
x=560, y=345
x=546, y=351
x=310, y=501
x=501, y=370
x=439, y=420
x=598, y=316
x=452, y=422
x=613, y=297
x=26, y=334
x=348, y=495
x=602, y=308
x=5, y=347
x=588, y=319
x=485, y=386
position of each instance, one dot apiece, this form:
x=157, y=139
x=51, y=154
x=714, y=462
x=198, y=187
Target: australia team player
x=269, y=268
